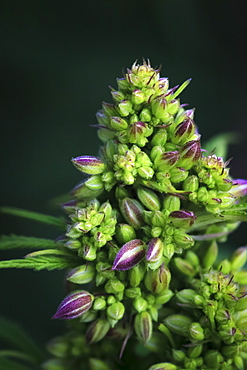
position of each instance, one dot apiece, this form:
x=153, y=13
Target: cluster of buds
x=138, y=223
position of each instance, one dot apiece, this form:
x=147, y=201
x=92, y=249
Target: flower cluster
x=145, y=224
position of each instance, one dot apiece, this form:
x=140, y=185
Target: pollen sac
x=129, y=255
x=183, y=219
x=74, y=305
x=89, y=165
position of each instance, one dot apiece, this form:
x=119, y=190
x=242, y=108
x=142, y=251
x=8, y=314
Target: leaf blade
x=18, y=241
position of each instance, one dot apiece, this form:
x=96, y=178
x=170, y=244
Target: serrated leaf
x=41, y=263
x=35, y=216
x=18, y=241
x=13, y=334
x=47, y=252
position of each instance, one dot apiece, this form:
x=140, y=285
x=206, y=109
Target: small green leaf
x=18, y=241
x=13, y=334
x=35, y=216
x=41, y=263
x=8, y=364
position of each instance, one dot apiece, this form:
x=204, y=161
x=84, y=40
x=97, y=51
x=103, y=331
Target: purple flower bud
x=74, y=305
x=88, y=164
x=154, y=250
x=183, y=219
x=239, y=188
x=183, y=131
x=129, y=255
x=191, y=153
x=166, y=160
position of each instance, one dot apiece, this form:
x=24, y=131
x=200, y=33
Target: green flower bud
x=102, y=119
x=169, y=250
x=157, y=281
x=164, y=297
x=178, y=174
x=89, y=165
x=239, y=258
x=138, y=132
x=109, y=109
x=241, y=303
x=210, y=255
x=156, y=152
x=145, y=115
x=132, y=212
x=163, y=366
x=89, y=316
x=225, y=267
x=132, y=293
x=88, y=252
x=114, y=286
x=118, y=124
x=178, y=324
x=54, y=364
x=82, y=191
x=99, y=304
x=143, y=326
x=125, y=108
x=192, y=258
x=186, y=297
x=138, y=97
x=115, y=312
x=159, y=138
x=81, y=274
x=97, y=331
x=196, y=332
x=148, y=198
x=178, y=355
x=195, y=351
x=182, y=219
x=117, y=95
x=140, y=304
x=125, y=233
x=173, y=106
x=158, y=106
x=239, y=362
x=73, y=244
x=183, y=240
x=97, y=364
x=136, y=274
x=213, y=359
x=171, y=203
x=191, y=183
x=184, y=267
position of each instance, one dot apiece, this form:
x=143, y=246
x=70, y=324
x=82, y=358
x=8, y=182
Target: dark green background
x=57, y=59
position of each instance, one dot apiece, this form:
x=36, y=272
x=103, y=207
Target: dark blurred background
x=57, y=60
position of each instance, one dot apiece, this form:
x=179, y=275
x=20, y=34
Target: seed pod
x=125, y=233
x=74, y=305
x=115, y=311
x=183, y=219
x=178, y=324
x=157, y=281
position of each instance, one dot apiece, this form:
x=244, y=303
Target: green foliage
x=35, y=216
x=22, y=242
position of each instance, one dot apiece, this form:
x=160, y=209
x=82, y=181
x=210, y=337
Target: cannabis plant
x=146, y=288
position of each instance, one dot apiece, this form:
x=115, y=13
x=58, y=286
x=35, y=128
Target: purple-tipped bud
x=129, y=255
x=154, y=251
x=163, y=366
x=183, y=219
x=74, y=305
x=89, y=165
x=183, y=132
x=239, y=188
x=166, y=160
x=118, y=123
x=190, y=154
x=132, y=212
